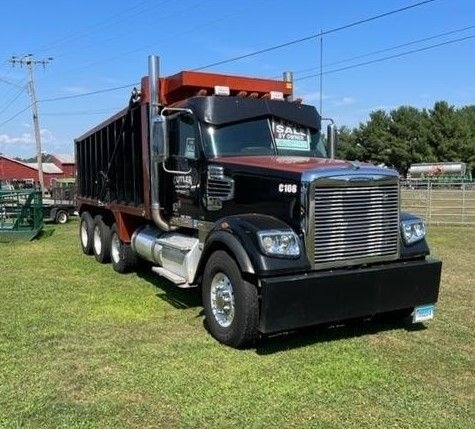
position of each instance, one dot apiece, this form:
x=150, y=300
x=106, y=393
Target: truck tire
x=101, y=240
x=61, y=217
x=230, y=303
x=86, y=231
x=123, y=258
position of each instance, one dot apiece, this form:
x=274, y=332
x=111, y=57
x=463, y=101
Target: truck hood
x=298, y=164
x=307, y=168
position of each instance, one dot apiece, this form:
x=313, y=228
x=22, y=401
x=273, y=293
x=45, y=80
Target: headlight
x=279, y=242
x=413, y=230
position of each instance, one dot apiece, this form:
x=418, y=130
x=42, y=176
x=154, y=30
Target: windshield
x=263, y=137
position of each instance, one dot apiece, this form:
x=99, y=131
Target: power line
x=314, y=36
x=20, y=92
x=67, y=97
x=82, y=112
x=98, y=26
x=378, y=60
x=10, y=83
x=297, y=79
x=15, y=116
x=391, y=48
x=165, y=36
x=87, y=94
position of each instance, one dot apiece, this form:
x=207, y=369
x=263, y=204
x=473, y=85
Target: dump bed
x=110, y=160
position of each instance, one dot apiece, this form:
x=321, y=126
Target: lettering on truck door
x=181, y=181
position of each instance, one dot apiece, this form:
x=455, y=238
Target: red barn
x=66, y=163
x=14, y=171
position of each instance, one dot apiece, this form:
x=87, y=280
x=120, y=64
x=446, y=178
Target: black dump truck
x=225, y=183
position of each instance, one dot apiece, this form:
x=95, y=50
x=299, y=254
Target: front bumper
x=328, y=296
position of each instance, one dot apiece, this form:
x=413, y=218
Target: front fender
x=238, y=236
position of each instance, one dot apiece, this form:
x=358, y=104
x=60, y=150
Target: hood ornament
x=354, y=165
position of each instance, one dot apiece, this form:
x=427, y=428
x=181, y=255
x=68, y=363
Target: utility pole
x=321, y=72
x=29, y=61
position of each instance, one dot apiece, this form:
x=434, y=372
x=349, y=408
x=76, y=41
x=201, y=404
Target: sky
x=413, y=57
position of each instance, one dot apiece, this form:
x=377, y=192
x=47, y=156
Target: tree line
x=45, y=157
x=409, y=135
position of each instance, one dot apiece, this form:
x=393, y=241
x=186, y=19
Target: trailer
x=21, y=214
x=60, y=205
x=58, y=213
x=223, y=182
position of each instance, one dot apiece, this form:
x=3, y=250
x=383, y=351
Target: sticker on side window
x=291, y=137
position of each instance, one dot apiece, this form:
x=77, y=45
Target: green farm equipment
x=21, y=214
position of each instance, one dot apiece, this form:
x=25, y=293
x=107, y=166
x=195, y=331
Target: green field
x=84, y=347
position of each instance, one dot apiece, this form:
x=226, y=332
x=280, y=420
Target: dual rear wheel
x=102, y=240
x=101, y=243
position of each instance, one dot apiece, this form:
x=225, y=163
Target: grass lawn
x=84, y=347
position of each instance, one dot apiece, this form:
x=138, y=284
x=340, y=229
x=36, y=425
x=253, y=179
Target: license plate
x=423, y=313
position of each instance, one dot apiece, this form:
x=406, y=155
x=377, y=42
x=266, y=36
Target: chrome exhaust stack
x=157, y=139
x=332, y=135
x=288, y=78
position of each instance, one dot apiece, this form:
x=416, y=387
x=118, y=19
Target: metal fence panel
x=440, y=203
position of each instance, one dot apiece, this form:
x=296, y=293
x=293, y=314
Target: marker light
x=221, y=90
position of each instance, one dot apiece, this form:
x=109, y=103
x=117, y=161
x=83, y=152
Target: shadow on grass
x=179, y=298
x=45, y=233
x=329, y=333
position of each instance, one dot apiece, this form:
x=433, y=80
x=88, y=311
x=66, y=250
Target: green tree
x=468, y=116
x=407, y=135
x=347, y=147
x=409, y=138
x=449, y=133
x=374, y=138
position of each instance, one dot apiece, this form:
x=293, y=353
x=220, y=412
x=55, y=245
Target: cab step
x=174, y=278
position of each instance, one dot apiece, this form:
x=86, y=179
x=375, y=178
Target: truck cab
x=215, y=157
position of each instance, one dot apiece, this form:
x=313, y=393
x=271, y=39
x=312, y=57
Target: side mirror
x=159, y=132
x=331, y=140
x=159, y=138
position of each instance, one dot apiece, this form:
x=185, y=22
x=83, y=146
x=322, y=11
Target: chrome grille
x=356, y=224
x=219, y=186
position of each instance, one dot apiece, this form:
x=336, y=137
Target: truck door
x=181, y=174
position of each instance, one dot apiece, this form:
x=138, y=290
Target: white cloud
x=75, y=89
x=386, y=108
x=345, y=101
x=23, y=139
x=110, y=80
x=312, y=97
x=12, y=145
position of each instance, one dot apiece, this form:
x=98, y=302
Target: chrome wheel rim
x=222, y=300
x=62, y=218
x=115, y=246
x=97, y=241
x=84, y=234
